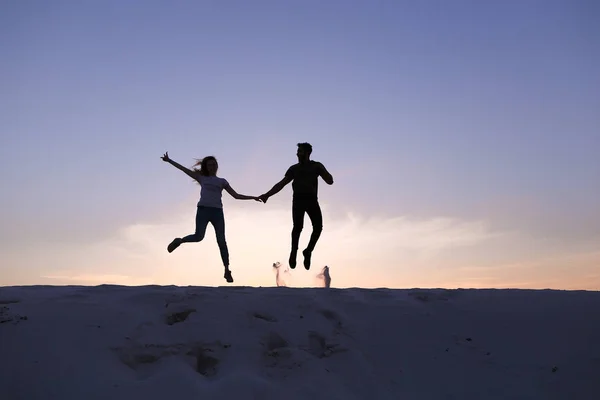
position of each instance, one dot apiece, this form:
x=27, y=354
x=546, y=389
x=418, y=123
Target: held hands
x=263, y=198
x=260, y=199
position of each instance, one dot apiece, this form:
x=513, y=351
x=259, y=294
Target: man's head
x=304, y=150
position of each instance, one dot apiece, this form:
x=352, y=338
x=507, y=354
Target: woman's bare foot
x=173, y=245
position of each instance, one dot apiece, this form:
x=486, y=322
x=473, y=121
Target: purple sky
x=468, y=110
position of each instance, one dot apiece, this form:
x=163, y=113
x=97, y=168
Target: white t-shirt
x=211, y=190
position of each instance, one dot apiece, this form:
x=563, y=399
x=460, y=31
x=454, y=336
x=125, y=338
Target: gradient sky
x=463, y=137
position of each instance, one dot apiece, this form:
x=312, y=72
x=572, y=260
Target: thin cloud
x=433, y=234
x=566, y=271
x=259, y=235
x=85, y=279
x=363, y=251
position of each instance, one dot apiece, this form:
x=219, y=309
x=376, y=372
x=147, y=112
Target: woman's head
x=208, y=166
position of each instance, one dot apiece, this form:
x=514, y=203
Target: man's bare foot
x=292, y=260
x=307, y=255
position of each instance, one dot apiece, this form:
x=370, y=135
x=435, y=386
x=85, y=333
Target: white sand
x=116, y=342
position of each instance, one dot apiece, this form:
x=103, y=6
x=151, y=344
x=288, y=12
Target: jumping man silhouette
x=304, y=176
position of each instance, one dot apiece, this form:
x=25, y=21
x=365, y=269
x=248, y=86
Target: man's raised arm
x=325, y=174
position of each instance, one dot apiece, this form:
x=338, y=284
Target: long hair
x=203, y=170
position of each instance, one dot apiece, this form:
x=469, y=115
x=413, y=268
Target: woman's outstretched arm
x=238, y=196
x=188, y=171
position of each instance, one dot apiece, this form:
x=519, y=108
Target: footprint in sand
x=203, y=357
x=264, y=317
x=319, y=347
x=7, y=316
x=179, y=316
x=335, y=319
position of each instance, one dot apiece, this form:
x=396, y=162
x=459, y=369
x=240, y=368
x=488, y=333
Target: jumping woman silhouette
x=210, y=206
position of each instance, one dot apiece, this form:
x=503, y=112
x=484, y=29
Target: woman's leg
x=218, y=222
x=202, y=218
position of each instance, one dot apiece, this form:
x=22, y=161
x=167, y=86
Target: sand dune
x=161, y=342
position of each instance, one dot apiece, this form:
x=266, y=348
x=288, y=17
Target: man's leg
x=316, y=219
x=201, y=222
x=298, y=224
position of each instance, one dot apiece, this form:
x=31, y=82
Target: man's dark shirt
x=305, y=182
